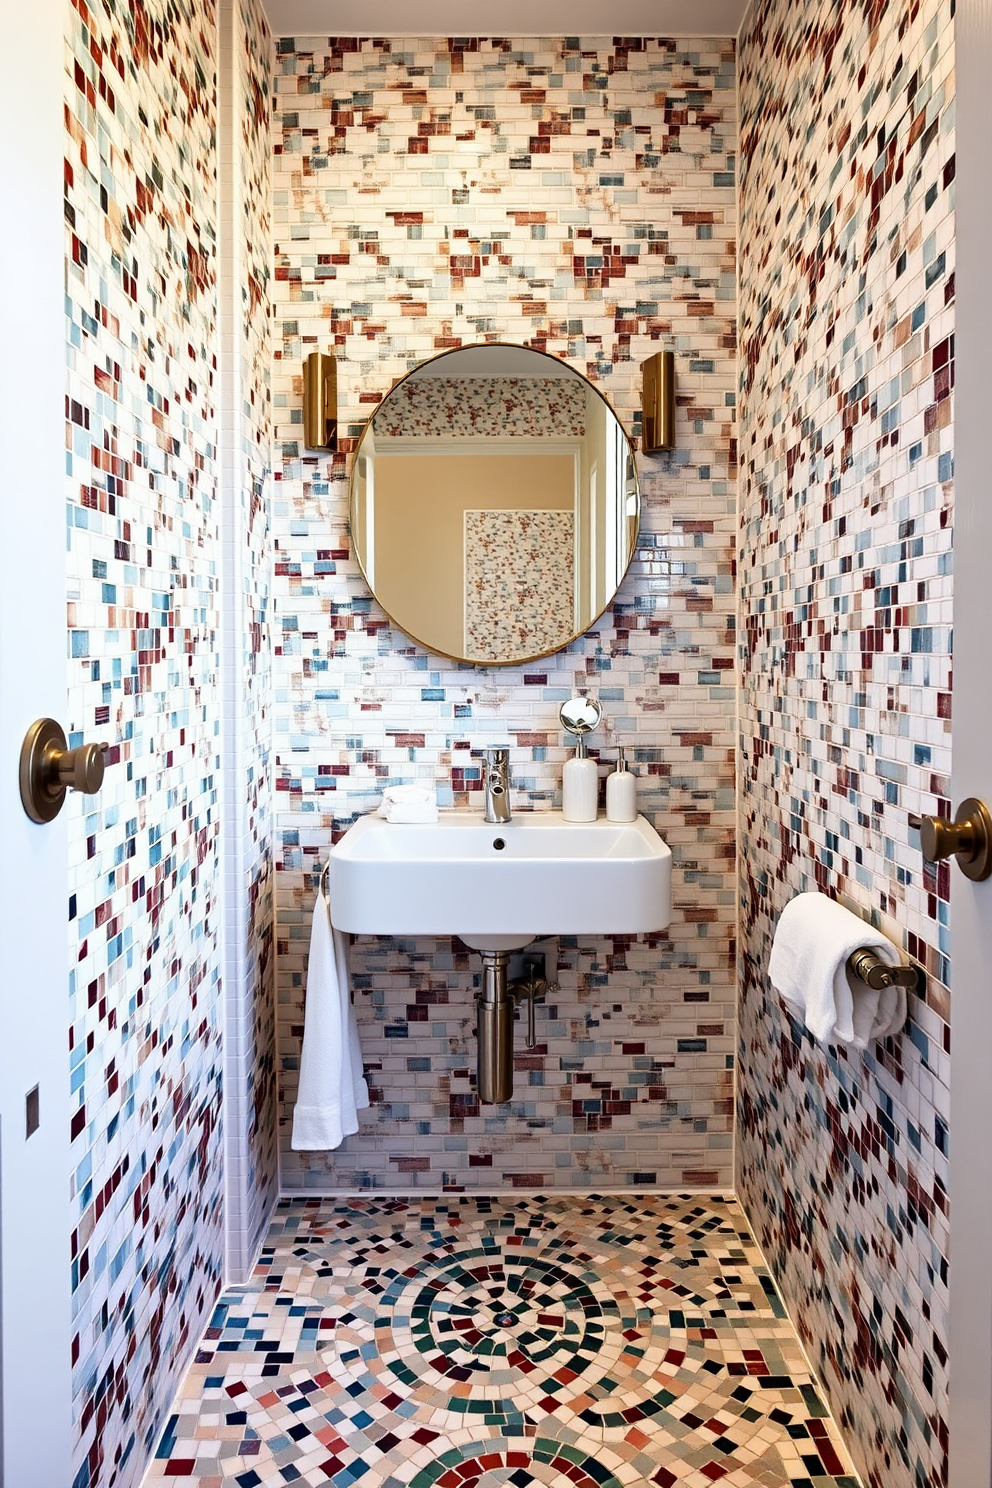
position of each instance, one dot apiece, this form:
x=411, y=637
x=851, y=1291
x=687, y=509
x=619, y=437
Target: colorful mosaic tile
x=145, y=1033
x=612, y=1341
x=576, y=195
x=145, y=558
x=847, y=370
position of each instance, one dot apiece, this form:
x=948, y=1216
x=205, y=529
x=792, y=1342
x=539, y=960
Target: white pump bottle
x=621, y=792
x=580, y=786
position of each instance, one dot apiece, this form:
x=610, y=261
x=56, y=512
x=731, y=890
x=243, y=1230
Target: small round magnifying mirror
x=580, y=715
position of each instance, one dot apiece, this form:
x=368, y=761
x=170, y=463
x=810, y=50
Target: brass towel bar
x=867, y=966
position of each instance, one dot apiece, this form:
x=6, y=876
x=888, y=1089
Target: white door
x=971, y=903
x=35, y=1323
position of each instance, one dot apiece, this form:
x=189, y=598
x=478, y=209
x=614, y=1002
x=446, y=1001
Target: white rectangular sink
x=535, y=875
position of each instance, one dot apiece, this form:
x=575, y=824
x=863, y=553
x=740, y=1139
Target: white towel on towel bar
x=332, y=1084
x=808, y=969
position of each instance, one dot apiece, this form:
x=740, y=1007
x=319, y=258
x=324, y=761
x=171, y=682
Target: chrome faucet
x=497, y=783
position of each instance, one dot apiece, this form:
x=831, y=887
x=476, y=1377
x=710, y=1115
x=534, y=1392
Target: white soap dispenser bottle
x=621, y=792
x=580, y=786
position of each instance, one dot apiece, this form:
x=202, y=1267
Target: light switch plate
x=32, y=1112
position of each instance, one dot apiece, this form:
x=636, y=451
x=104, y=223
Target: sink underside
x=535, y=875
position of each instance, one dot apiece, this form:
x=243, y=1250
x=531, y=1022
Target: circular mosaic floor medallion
x=532, y=1326
x=480, y=1343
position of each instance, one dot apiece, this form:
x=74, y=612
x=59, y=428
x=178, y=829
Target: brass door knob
x=968, y=838
x=49, y=768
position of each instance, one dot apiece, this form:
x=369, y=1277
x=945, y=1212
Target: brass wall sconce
x=320, y=402
x=658, y=403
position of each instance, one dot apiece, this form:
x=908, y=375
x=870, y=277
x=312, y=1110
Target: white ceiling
x=505, y=17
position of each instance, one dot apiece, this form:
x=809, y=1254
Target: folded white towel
x=808, y=969
x=409, y=803
x=332, y=1085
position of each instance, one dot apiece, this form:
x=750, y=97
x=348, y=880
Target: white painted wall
x=249, y=1187
x=971, y=904
x=35, y=1331
x=233, y=823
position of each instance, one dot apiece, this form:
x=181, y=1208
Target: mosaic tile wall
x=847, y=365
x=145, y=1036
x=577, y=195
x=144, y=558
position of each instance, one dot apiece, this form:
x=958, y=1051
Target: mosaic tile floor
x=471, y=1342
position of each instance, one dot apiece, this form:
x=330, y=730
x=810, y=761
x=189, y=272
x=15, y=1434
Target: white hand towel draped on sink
x=409, y=803
x=808, y=969
x=332, y=1085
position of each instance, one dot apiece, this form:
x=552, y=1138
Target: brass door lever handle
x=49, y=768
x=968, y=838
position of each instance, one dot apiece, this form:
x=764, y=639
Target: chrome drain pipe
x=495, y=1004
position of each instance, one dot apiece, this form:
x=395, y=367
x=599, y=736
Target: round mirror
x=494, y=504
x=580, y=715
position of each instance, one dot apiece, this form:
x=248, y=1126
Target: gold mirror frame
x=632, y=520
